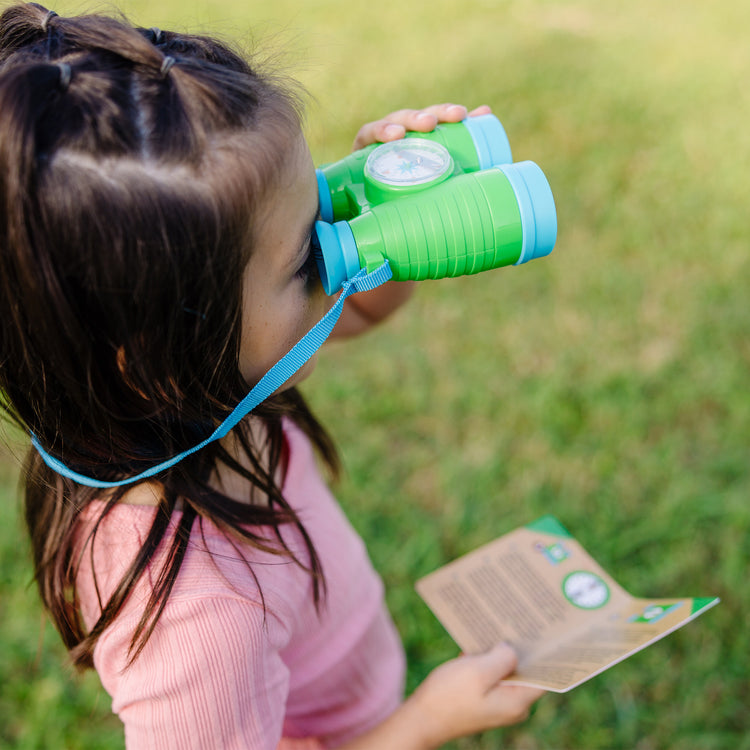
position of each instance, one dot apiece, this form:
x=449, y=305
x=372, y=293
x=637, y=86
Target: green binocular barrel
x=471, y=223
x=476, y=143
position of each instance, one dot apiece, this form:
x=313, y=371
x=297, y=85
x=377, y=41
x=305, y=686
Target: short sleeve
x=209, y=677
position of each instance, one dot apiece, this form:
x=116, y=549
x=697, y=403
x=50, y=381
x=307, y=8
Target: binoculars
x=446, y=203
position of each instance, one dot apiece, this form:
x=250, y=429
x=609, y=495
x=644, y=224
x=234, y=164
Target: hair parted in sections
x=131, y=163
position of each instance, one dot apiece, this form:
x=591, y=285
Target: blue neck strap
x=270, y=382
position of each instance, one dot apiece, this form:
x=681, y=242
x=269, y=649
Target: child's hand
x=365, y=309
x=465, y=696
x=394, y=126
x=459, y=698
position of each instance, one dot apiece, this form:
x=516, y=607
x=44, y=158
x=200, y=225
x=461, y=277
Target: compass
x=402, y=166
x=585, y=590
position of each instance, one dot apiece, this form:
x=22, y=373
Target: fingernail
x=393, y=131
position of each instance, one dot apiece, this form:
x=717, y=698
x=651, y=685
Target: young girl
x=155, y=262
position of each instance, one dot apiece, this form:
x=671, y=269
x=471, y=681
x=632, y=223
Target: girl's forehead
x=296, y=183
x=296, y=157
x=293, y=198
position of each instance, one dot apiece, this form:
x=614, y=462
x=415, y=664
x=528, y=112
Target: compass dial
x=411, y=161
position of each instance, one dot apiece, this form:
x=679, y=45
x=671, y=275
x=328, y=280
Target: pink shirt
x=218, y=672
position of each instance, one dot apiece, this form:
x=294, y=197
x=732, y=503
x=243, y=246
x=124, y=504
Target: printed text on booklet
x=537, y=589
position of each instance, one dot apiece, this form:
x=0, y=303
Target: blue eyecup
x=490, y=140
x=324, y=197
x=537, y=206
x=336, y=254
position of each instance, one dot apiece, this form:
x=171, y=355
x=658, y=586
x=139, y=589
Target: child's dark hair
x=131, y=163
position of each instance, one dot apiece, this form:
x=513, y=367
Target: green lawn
x=607, y=384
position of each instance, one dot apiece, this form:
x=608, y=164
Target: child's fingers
x=511, y=704
x=379, y=131
x=500, y=662
x=507, y=704
x=467, y=695
x=396, y=124
x=493, y=665
x=483, y=110
x=447, y=112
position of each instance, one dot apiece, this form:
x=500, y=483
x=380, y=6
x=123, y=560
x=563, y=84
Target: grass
x=607, y=384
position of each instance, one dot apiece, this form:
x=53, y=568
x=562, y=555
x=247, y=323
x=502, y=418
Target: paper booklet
x=537, y=589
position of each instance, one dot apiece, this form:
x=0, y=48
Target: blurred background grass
x=607, y=384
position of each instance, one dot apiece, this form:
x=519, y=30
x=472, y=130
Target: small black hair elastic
x=166, y=66
x=50, y=15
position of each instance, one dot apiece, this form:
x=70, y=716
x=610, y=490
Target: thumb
x=498, y=662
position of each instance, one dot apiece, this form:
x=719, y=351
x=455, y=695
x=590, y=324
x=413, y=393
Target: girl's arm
x=459, y=698
x=366, y=309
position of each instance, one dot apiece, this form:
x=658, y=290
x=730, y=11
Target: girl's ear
x=122, y=366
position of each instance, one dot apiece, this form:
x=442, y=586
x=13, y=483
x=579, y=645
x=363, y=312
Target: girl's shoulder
x=215, y=567
x=108, y=540
x=217, y=564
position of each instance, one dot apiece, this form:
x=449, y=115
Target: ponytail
x=132, y=163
